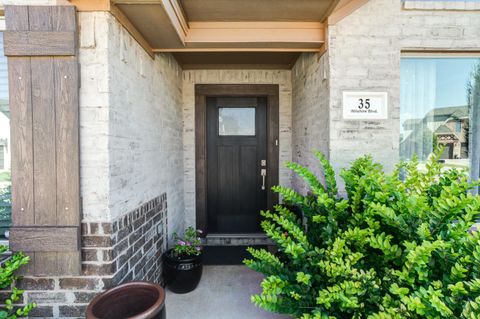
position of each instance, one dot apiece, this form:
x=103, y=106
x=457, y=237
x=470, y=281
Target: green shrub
x=9, y=309
x=399, y=246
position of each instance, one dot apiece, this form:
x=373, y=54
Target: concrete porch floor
x=223, y=293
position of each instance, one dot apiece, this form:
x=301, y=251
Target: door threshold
x=236, y=235
x=246, y=239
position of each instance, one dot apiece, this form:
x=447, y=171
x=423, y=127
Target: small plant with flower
x=188, y=245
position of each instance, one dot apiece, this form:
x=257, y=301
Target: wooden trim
x=137, y=1
x=269, y=25
x=177, y=18
x=238, y=66
x=445, y=52
x=271, y=91
x=26, y=43
x=236, y=89
x=125, y=22
x=325, y=46
x=255, y=32
x=263, y=49
x=345, y=10
x=45, y=239
x=91, y=5
x=333, y=6
x=201, y=162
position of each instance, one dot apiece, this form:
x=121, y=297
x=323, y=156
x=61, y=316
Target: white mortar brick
x=310, y=112
x=145, y=128
x=131, y=124
x=364, y=54
x=94, y=119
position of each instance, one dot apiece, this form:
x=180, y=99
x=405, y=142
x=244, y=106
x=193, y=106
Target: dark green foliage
x=398, y=247
x=5, y=209
x=9, y=309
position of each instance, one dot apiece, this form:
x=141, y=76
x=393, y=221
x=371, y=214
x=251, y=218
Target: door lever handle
x=263, y=173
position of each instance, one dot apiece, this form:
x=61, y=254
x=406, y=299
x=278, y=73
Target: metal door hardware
x=263, y=173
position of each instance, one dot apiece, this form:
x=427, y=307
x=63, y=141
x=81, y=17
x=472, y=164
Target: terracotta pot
x=182, y=275
x=133, y=300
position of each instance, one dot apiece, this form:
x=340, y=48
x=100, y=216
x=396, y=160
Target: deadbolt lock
x=263, y=163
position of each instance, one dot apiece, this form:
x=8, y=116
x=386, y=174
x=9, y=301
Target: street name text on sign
x=365, y=105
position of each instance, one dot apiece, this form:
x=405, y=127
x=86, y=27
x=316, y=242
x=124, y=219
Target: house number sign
x=365, y=105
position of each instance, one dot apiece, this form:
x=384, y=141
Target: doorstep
x=247, y=239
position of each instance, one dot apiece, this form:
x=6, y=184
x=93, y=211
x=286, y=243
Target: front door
x=236, y=163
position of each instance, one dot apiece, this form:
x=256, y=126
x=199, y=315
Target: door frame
x=202, y=91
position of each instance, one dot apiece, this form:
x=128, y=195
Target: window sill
x=466, y=5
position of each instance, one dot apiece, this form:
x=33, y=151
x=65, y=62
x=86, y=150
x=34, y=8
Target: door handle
x=263, y=173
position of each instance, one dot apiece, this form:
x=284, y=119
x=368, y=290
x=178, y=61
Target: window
x=5, y=163
x=458, y=127
x=436, y=107
x=236, y=121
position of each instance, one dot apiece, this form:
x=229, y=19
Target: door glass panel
x=236, y=121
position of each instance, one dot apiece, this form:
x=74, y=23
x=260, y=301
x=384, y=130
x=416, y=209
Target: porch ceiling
x=255, y=10
x=268, y=32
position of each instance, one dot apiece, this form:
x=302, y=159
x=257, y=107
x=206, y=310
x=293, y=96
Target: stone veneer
x=310, y=116
x=128, y=249
x=365, y=49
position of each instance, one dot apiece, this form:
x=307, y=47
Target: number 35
x=364, y=104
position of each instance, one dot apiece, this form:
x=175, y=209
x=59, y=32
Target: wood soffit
x=189, y=30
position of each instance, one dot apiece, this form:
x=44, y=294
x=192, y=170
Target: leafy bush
x=5, y=209
x=400, y=245
x=7, y=279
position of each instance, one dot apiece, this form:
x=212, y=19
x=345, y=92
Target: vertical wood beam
x=44, y=123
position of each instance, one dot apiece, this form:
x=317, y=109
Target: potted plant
x=182, y=264
x=134, y=300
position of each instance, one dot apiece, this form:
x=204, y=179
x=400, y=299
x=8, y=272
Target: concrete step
x=257, y=239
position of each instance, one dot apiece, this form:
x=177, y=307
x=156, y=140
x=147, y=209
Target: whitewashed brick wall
x=365, y=51
x=131, y=124
x=94, y=115
x=310, y=113
x=190, y=78
x=145, y=129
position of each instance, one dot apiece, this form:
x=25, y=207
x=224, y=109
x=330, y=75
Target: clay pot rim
x=151, y=311
x=169, y=256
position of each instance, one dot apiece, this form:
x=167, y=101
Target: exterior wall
x=310, y=113
x=131, y=159
x=365, y=50
x=94, y=116
x=190, y=78
x=145, y=131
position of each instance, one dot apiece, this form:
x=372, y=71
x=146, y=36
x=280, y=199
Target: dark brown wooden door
x=236, y=156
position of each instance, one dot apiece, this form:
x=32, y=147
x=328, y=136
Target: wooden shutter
x=40, y=43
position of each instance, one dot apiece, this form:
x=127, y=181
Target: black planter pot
x=181, y=275
x=134, y=300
